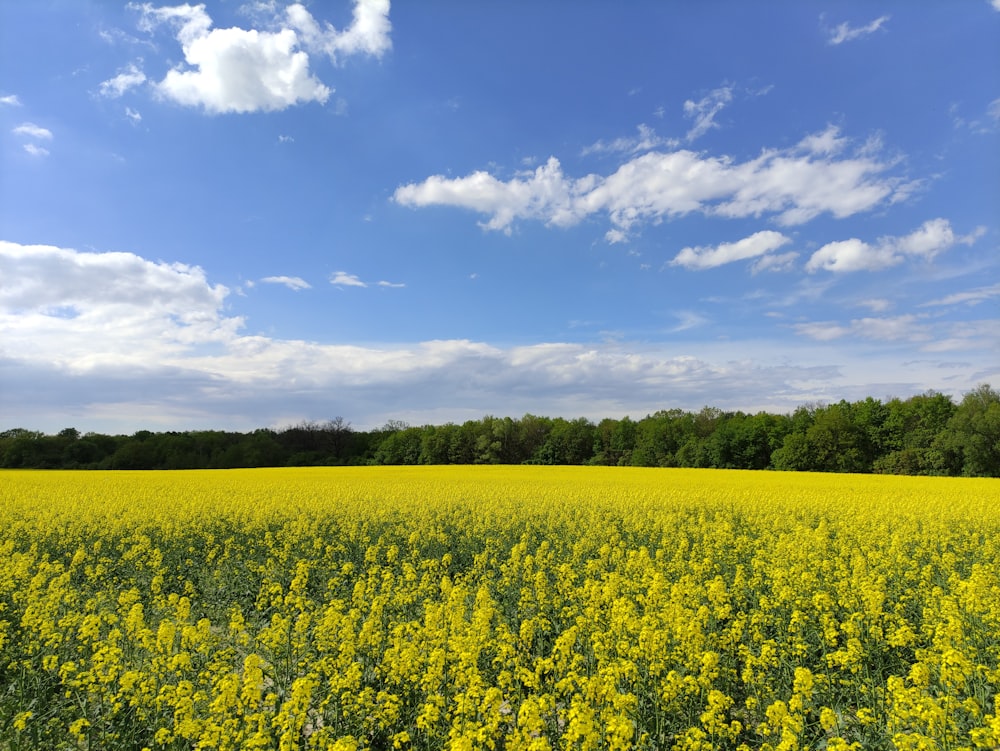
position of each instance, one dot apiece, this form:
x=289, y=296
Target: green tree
x=568, y=442
x=970, y=444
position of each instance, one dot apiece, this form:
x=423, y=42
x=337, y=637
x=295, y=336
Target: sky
x=236, y=215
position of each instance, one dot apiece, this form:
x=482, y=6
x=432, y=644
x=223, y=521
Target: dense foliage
x=924, y=435
x=501, y=608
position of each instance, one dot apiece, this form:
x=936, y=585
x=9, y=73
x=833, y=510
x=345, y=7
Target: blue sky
x=246, y=214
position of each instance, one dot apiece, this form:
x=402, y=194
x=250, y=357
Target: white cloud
x=83, y=309
x=905, y=328
x=129, y=78
x=113, y=341
x=993, y=110
x=36, y=132
x=970, y=335
x=33, y=131
x=757, y=244
x=133, y=115
x=844, y=33
x=774, y=262
x=646, y=140
x=980, y=126
x=828, y=141
x=852, y=255
x=793, y=185
x=823, y=331
x=243, y=71
x=10, y=100
x=343, y=279
x=368, y=33
x=703, y=111
x=970, y=297
x=687, y=319
x=249, y=70
x=876, y=305
x=292, y=282
x=897, y=328
x=995, y=4
x=932, y=237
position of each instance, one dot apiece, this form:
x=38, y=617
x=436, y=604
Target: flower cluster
x=498, y=608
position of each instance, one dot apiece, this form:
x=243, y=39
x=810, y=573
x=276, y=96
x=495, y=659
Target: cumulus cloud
x=792, y=185
x=759, y=243
x=238, y=70
x=81, y=309
x=292, y=282
x=845, y=33
x=10, y=100
x=704, y=111
x=31, y=130
x=931, y=238
x=369, y=32
x=128, y=78
x=113, y=341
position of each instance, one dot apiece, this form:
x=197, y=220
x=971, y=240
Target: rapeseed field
x=498, y=608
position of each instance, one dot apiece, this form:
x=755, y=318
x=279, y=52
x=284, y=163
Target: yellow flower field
x=498, y=608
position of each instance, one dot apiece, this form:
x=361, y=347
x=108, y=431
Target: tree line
x=928, y=434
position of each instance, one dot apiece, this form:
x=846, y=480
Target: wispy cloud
x=907, y=328
x=774, y=262
x=687, y=319
x=970, y=297
x=128, y=78
x=845, y=33
x=875, y=304
x=10, y=100
x=645, y=140
x=344, y=279
x=292, y=282
x=704, y=111
x=35, y=150
x=33, y=131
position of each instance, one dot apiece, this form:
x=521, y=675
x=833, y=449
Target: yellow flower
x=21, y=720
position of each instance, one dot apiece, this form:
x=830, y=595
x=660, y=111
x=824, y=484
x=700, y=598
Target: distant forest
x=924, y=435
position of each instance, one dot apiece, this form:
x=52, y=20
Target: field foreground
x=498, y=607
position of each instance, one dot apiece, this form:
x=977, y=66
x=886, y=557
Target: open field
x=498, y=607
